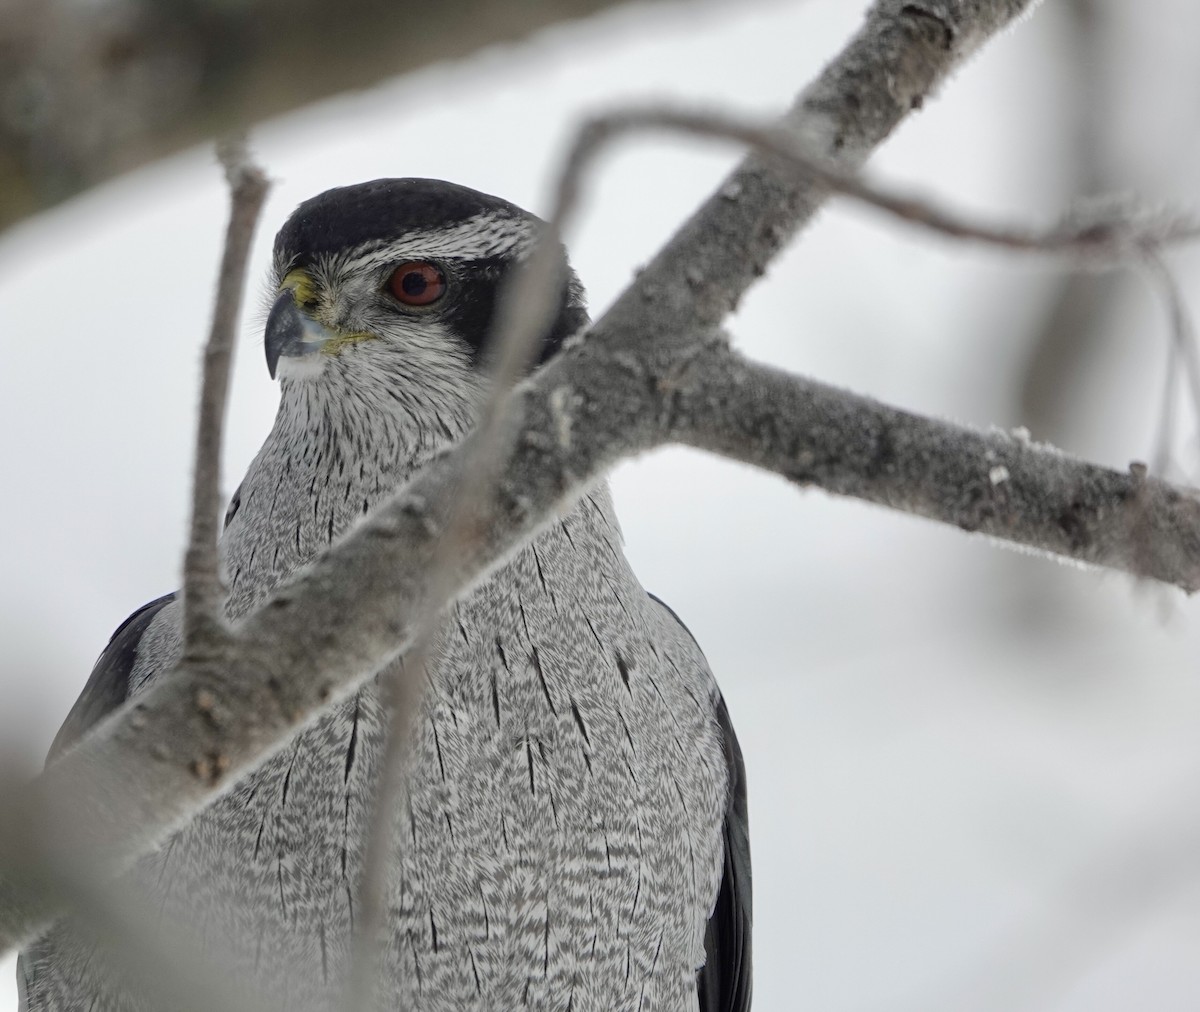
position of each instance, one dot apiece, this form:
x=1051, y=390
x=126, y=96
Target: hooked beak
x=292, y=332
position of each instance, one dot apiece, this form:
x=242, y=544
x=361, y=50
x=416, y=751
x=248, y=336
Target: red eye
x=417, y=283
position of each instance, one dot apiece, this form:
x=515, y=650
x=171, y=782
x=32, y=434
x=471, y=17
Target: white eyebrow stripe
x=484, y=235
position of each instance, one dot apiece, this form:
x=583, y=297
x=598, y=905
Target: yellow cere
x=304, y=291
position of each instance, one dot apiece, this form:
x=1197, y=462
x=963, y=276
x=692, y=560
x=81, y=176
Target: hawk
x=572, y=830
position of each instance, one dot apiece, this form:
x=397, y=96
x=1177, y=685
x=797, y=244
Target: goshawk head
x=397, y=281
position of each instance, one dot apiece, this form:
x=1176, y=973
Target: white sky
x=965, y=764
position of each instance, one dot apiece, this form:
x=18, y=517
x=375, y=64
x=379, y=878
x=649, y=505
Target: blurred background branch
x=1081, y=304
x=91, y=90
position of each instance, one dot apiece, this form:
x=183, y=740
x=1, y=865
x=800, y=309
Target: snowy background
x=973, y=773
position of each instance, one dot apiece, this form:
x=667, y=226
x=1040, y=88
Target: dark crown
x=382, y=210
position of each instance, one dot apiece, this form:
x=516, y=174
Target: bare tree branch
x=203, y=592
x=993, y=483
x=175, y=747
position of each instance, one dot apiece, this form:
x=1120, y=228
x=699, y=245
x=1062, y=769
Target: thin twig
x=1074, y=314
x=1165, y=435
x=401, y=697
x=525, y=312
x=203, y=591
x=1183, y=350
x=115, y=914
x=1097, y=233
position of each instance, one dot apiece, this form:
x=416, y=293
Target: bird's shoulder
x=724, y=982
x=108, y=686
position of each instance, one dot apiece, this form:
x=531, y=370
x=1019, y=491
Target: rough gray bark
x=654, y=369
x=995, y=483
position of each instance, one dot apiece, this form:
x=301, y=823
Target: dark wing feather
x=724, y=981
x=723, y=984
x=108, y=686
